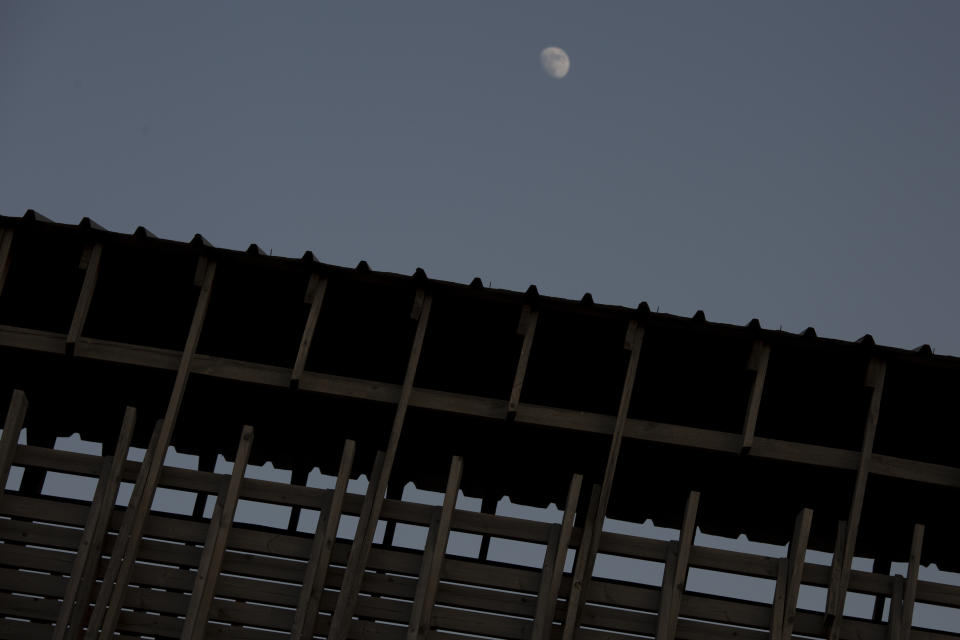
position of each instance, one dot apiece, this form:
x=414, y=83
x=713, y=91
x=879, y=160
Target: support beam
x=127, y=546
x=795, y=560
x=582, y=567
x=6, y=241
x=910, y=588
x=837, y=595
x=322, y=550
x=367, y=525
x=632, y=343
x=76, y=600
x=198, y=610
x=526, y=328
x=316, y=288
x=553, y=563
x=675, y=572
x=433, y=552
x=757, y=364
x=90, y=263
x=16, y=413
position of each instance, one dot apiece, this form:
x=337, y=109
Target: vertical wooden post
x=12, y=425
x=6, y=240
x=195, y=626
x=91, y=264
x=837, y=594
x=316, y=288
x=553, y=562
x=433, y=552
x=796, y=557
x=910, y=588
x=322, y=549
x=759, y=357
x=76, y=600
x=583, y=565
x=367, y=526
x=675, y=579
x=125, y=551
x=526, y=328
x=779, y=601
x=632, y=343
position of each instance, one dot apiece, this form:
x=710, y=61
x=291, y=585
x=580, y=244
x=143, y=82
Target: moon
x=555, y=62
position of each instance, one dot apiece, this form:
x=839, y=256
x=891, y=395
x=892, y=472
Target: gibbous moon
x=555, y=62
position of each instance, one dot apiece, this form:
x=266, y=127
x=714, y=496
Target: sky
x=793, y=162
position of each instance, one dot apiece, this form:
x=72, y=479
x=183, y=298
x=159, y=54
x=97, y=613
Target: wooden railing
x=75, y=569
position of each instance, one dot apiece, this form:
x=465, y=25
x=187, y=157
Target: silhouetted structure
x=605, y=411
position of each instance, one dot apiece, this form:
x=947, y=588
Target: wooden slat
x=910, y=588
x=137, y=511
x=895, y=617
x=12, y=424
x=195, y=625
x=527, y=328
x=433, y=552
x=316, y=289
x=633, y=341
x=675, y=580
x=837, y=595
x=320, y=552
x=779, y=601
x=582, y=565
x=367, y=525
x=83, y=575
x=6, y=241
x=86, y=296
x=553, y=563
x=759, y=358
x=795, y=561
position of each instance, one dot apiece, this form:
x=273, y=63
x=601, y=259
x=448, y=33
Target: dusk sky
x=794, y=162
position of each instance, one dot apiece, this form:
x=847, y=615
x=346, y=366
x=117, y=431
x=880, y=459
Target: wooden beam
x=910, y=588
x=759, y=358
x=76, y=600
x=876, y=372
x=433, y=552
x=553, y=563
x=16, y=413
x=321, y=551
x=633, y=341
x=836, y=568
x=316, y=288
x=675, y=572
x=198, y=610
x=6, y=241
x=91, y=264
x=125, y=551
x=895, y=617
x=779, y=601
x=367, y=525
x=582, y=567
x=796, y=556
x=526, y=328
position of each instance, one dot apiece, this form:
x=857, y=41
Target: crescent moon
x=555, y=62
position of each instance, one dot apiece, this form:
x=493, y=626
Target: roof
x=762, y=421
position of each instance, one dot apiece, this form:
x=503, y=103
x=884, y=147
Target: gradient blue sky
x=795, y=162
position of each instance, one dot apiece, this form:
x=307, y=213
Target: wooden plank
x=759, y=358
x=367, y=525
x=876, y=372
x=836, y=565
x=321, y=551
x=779, y=601
x=895, y=617
x=12, y=424
x=675, y=580
x=527, y=328
x=194, y=627
x=633, y=341
x=795, y=560
x=316, y=288
x=76, y=599
x=910, y=588
x=92, y=272
x=433, y=552
x=583, y=565
x=137, y=511
x=553, y=563
x=6, y=241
